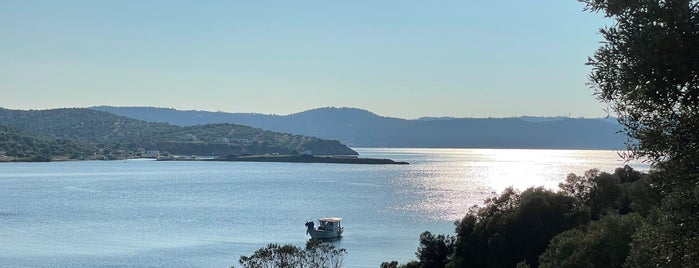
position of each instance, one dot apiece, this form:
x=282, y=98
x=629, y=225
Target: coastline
x=297, y=159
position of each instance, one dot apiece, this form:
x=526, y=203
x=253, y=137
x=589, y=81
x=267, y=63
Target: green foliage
x=274, y=255
x=514, y=227
x=627, y=174
x=670, y=235
x=600, y=192
x=647, y=71
x=319, y=254
x=118, y=137
x=666, y=238
x=315, y=255
x=394, y=264
x=624, y=191
x=435, y=251
x=16, y=145
x=551, y=229
x=579, y=187
x=603, y=243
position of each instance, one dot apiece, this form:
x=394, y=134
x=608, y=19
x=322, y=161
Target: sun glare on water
x=521, y=169
x=459, y=178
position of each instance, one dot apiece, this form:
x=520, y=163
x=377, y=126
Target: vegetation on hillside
x=16, y=145
x=100, y=135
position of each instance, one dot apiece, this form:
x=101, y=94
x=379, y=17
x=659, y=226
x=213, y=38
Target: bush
x=315, y=255
x=514, y=227
x=604, y=243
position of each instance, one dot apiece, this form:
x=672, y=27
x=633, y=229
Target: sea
x=145, y=213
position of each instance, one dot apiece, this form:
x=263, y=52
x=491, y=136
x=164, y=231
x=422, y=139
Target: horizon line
x=424, y=117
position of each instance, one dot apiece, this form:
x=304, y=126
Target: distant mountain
x=361, y=128
x=427, y=118
x=542, y=119
x=114, y=136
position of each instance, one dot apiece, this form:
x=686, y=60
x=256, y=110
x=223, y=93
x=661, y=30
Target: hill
x=114, y=136
x=361, y=128
x=17, y=145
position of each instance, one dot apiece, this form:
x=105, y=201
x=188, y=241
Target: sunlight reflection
x=442, y=184
x=526, y=168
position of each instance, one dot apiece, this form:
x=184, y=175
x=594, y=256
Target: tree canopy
x=647, y=71
x=316, y=255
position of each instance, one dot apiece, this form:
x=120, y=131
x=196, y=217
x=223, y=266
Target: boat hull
x=316, y=234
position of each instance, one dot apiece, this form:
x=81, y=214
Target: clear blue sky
x=395, y=58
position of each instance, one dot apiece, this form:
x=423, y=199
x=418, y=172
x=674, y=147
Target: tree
x=647, y=71
x=580, y=186
x=604, y=243
x=434, y=251
x=514, y=228
x=315, y=255
x=320, y=255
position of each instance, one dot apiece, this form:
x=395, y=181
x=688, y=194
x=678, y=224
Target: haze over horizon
x=333, y=107
x=395, y=59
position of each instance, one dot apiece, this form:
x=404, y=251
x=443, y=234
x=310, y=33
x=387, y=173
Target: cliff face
x=115, y=136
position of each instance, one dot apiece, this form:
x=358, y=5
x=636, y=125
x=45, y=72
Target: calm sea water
x=141, y=213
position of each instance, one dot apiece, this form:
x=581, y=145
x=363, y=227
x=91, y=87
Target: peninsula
x=302, y=158
x=84, y=134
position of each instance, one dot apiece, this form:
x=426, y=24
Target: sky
x=403, y=59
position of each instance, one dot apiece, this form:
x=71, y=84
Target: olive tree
x=647, y=71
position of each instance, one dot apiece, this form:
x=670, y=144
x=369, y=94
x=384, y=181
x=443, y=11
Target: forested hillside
x=105, y=135
x=361, y=128
x=17, y=145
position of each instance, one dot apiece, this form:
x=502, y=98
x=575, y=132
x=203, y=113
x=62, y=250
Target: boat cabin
x=329, y=224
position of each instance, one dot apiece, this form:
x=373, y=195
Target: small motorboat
x=328, y=228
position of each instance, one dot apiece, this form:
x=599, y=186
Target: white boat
x=328, y=228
